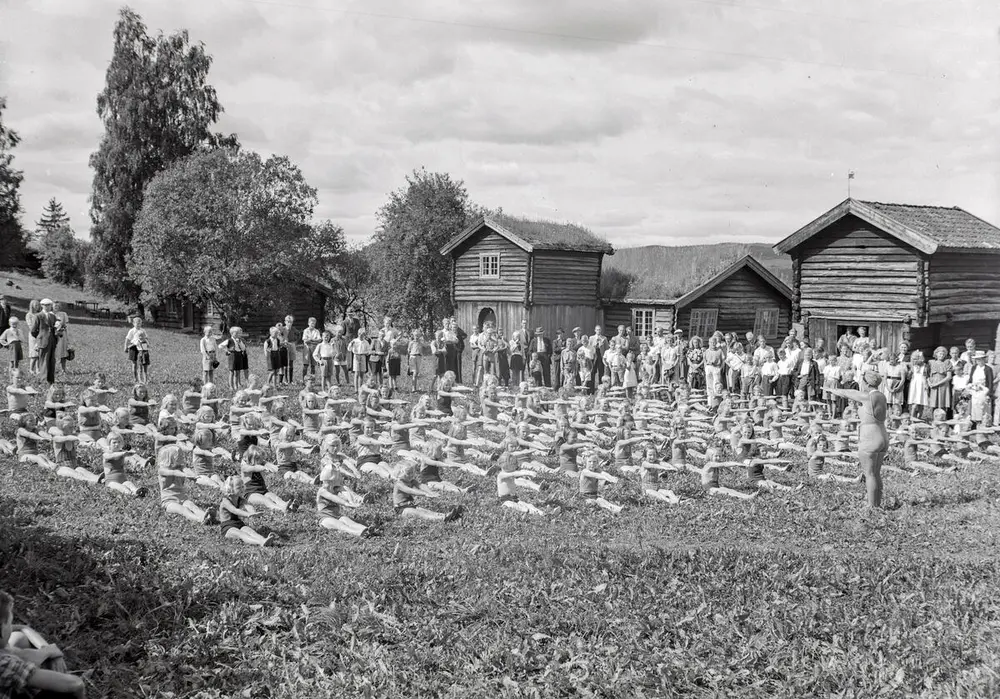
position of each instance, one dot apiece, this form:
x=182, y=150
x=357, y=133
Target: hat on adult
x=980, y=354
x=678, y=331
x=539, y=331
x=577, y=329
x=46, y=302
x=871, y=376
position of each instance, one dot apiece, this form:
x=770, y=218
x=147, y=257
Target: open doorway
x=486, y=315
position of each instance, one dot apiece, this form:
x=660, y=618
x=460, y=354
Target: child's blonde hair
x=233, y=485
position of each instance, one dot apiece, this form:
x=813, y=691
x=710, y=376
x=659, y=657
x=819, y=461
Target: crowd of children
x=641, y=428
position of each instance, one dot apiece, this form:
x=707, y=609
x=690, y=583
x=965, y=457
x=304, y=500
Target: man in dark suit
x=524, y=336
x=5, y=313
x=44, y=328
x=558, y=345
x=543, y=346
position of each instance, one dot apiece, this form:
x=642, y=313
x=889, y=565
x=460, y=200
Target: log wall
x=854, y=269
x=737, y=300
x=620, y=313
x=563, y=277
x=468, y=285
x=963, y=287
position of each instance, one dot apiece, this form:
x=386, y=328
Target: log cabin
x=309, y=300
x=505, y=269
x=743, y=297
x=926, y=274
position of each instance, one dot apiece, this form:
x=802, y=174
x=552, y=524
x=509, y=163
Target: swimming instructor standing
x=873, y=440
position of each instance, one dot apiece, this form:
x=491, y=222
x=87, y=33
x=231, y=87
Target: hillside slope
x=659, y=271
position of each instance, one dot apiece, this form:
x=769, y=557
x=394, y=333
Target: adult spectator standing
x=523, y=335
x=969, y=355
x=632, y=341
x=558, y=345
x=450, y=338
x=542, y=346
x=44, y=328
x=5, y=312
x=980, y=387
x=63, y=342
x=847, y=340
x=311, y=337
x=670, y=359
x=763, y=351
x=461, y=336
x=292, y=338
x=34, y=309
x=351, y=326
x=599, y=341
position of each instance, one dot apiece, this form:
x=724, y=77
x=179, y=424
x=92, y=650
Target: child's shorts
x=507, y=498
x=400, y=509
x=370, y=459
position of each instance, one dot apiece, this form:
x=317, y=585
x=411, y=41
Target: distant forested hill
x=659, y=271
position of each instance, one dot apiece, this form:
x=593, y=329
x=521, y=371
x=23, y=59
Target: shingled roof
x=927, y=228
x=530, y=235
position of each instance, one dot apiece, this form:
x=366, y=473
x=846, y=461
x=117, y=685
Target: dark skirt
x=394, y=365
x=517, y=362
x=274, y=360
x=283, y=358
x=442, y=364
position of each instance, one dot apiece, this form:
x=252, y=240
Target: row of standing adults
x=45, y=332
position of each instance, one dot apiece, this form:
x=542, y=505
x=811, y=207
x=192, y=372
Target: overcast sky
x=648, y=121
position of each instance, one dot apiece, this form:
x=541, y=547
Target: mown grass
x=804, y=595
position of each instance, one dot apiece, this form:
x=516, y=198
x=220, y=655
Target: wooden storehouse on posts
x=926, y=274
x=505, y=269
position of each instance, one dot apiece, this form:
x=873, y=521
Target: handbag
x=215, y=363
x=70, y=354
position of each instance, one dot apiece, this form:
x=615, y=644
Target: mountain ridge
x=669, y=271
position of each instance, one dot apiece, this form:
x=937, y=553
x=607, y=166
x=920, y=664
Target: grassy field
x=804, y=595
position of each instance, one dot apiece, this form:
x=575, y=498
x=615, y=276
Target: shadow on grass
x=103, y=601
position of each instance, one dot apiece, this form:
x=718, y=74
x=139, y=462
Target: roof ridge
x=911, y=206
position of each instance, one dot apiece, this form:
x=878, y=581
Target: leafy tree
x=352, y=275
x=63, y=256
x=227, y=227
x=413, y=277
x=157, y=107
x=13, y=243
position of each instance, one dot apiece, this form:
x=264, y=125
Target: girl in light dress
x=832, y=374
x=232, y=508
x=209, y=348
x=331, y=500
x=173, y=486
x=918, y=396
x=114, y=459
x=359, y=348
x=510, y=474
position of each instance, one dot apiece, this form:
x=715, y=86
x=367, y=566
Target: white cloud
x=646, y=121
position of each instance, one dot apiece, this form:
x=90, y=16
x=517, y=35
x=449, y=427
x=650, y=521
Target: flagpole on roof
x=850, y=176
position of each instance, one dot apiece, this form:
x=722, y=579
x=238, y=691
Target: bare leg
x=421, y=513
x=871, y=466
x=343, y=524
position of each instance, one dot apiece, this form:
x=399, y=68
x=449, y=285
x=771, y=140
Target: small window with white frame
x=642, y=322
x=489, y=266
x=703, y=321
x=765, y=322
